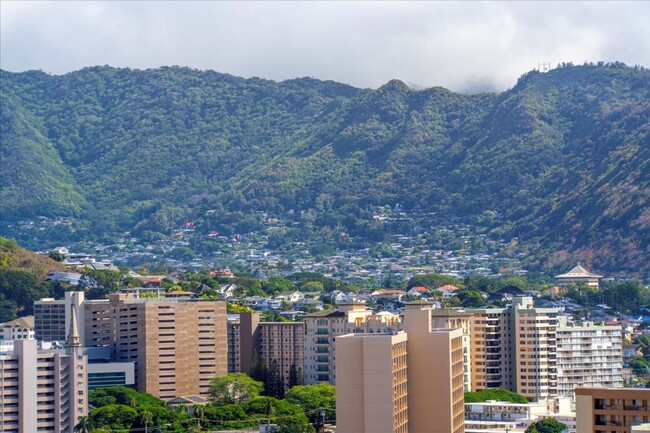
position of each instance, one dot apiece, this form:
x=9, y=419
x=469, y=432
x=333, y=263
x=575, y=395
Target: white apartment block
x=588, y=355
x=42, y=390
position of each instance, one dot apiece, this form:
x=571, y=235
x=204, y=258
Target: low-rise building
x=21, y=328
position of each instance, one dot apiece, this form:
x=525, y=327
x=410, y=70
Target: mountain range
x=560, y=162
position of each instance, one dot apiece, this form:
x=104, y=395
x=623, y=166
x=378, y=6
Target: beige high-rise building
x=407, y=381
x=515, y=348
x=490, y=348
x=42, y=390
x=372, y=395
x=177, y=345
x=588, y=355
x=611, y=410
x=454, y=319
x=322, y=328
x=273, y=342
x=435, y=374
x=534, y=352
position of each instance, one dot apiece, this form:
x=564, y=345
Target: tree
x=146, y=418
x=548, y=425
x=312, y=398
x=432, y=281
x=234, y=388
x=85, y=425
x=98, y=283
x=497, y=394
x=56, y=256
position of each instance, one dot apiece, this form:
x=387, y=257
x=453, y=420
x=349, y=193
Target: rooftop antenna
x=543, y=67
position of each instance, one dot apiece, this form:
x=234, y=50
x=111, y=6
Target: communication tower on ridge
x=544, y=67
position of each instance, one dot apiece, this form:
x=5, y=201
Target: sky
x=467, y=47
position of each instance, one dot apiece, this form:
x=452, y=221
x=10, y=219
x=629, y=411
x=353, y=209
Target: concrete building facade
x=322, y=328
x=515, y=348
x=43, y=390
x=372, y=392
x=454, y=319
x=588, y=355
x=52, y=317
x=611, y=410
x=21, y=328
x=405, y=381
x=176, y=345
x=273, y=342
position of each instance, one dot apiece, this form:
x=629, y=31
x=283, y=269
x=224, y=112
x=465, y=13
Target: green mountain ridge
x=562, y=157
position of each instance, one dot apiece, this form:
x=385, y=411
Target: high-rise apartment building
x=454, y=319
x=322, y=328
x=588, y=355
x=52, y=317
x=274, y=343
x=534, y=349
x=42, y=390
x=176, y=345
x=611, y=410
x=490, y=348
x=401, y=381
x=515, y=348
x=372, y=393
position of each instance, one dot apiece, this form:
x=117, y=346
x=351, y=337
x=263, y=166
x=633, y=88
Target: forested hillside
x=560, y=161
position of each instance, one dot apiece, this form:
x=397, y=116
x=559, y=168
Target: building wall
x=534, y=351
x=372, y=392
x=490, y=349
x=177, y=345
x=281, y=342
x=42, y=391
x=435, y=375
x=453, y=319
x=601, y=410
x=322, y=328
x=52, y=318
x=588, y=356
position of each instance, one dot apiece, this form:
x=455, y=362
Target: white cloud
x=463, y=46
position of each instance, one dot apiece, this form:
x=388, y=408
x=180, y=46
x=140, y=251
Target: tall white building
x=588, y=355
x=43, y=390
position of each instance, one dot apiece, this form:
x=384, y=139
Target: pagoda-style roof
x=578, y=272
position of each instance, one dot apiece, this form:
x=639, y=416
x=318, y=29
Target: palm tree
x=146, y=418
x=199, y=413
x=85, y=425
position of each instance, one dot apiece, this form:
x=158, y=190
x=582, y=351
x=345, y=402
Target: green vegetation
x=234, y=388
x=494, y=394
x=546, y=426
x=558, y=161
x=21, y=280
x=122, y=409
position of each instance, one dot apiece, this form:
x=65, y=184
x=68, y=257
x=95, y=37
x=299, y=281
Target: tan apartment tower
x=177, y=345
x=454, y=319
x=274, y=343
x=435, y=374
x=372, y=394
x=611, y=410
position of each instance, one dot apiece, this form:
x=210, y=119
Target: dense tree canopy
x=540, y=162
